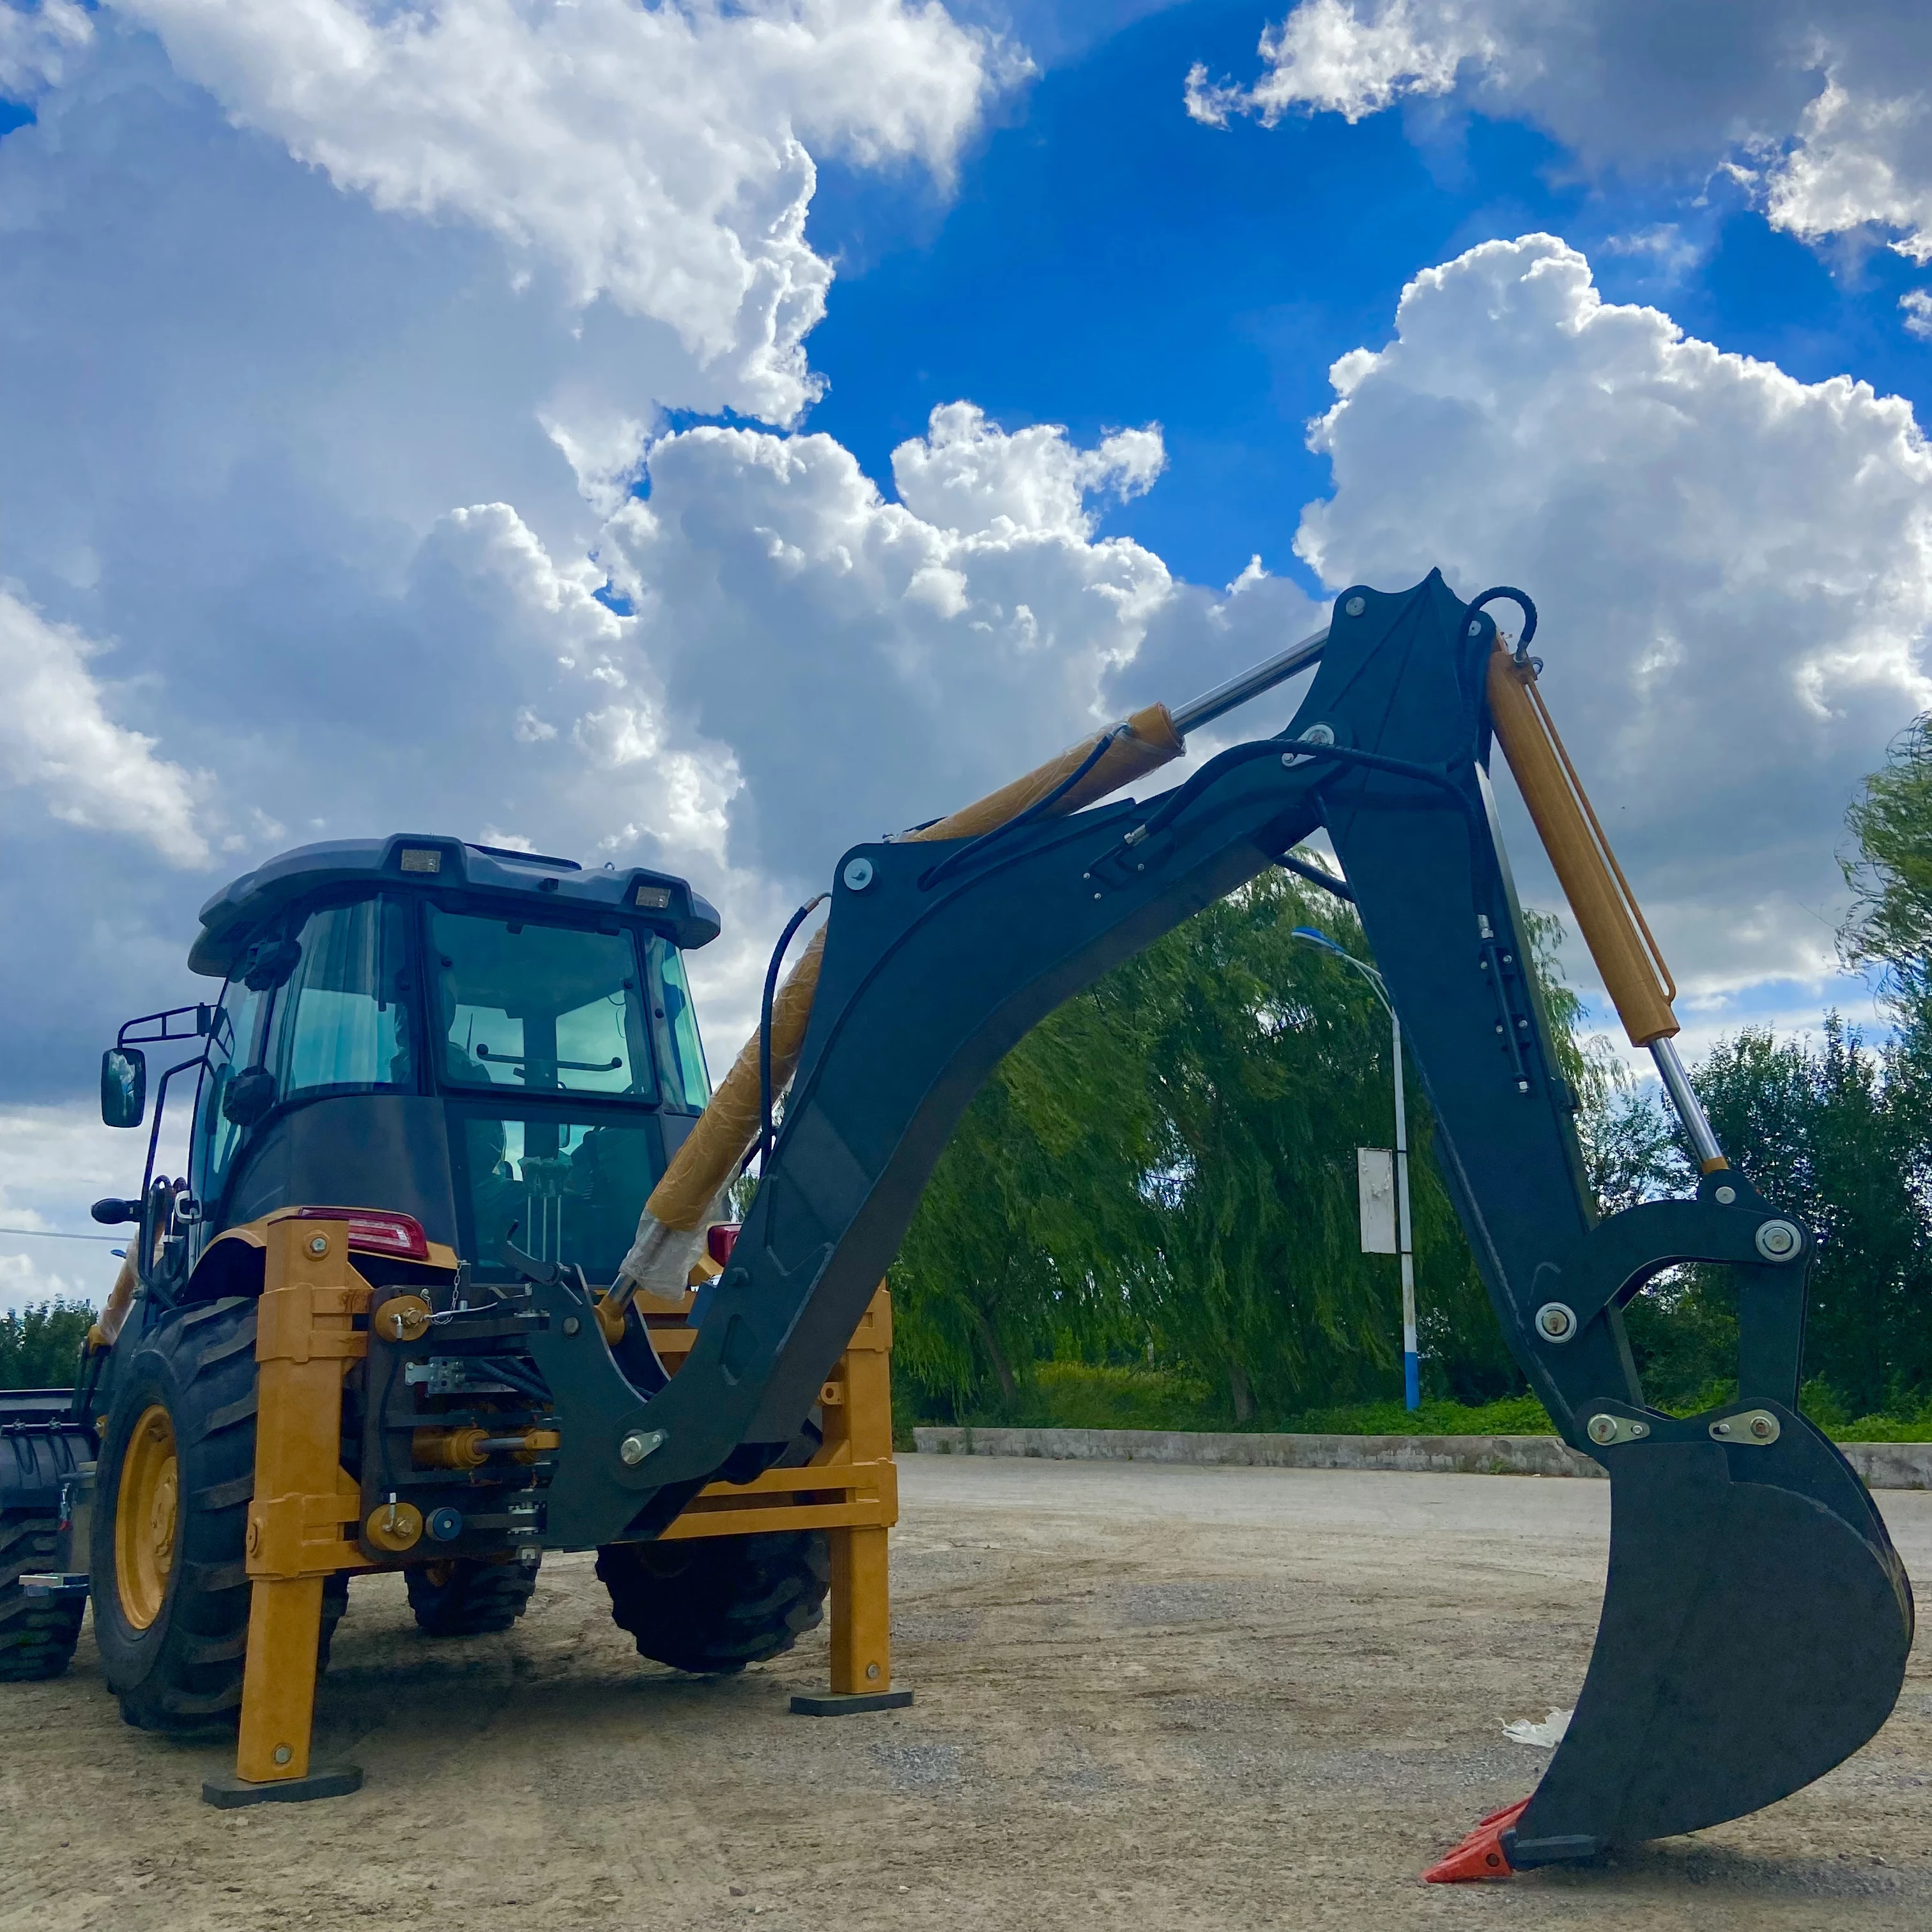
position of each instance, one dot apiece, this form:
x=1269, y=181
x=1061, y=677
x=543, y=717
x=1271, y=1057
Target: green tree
x=39, y=1344
x=1891, y=922
x=1164, y=1170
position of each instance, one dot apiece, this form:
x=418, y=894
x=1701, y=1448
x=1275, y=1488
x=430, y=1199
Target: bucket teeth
x=1480, y=1855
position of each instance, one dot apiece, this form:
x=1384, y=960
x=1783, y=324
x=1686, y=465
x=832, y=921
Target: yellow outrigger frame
x=311, y=1329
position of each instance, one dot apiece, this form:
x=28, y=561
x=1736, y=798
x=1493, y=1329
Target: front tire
x=176, y=1475
x=715, y=1604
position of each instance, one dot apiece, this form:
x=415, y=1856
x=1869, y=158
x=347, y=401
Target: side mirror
x=250, y=1095
x=124, y=1086
x=111, y=1213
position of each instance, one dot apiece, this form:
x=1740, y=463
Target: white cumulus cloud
x=1823, y=107
x=57, y=739
x=37, y=43
x=660, y=156
x=1734, y=570
x=874, y=664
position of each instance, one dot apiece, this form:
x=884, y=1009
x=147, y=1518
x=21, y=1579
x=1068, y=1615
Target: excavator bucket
x=1754, y=1634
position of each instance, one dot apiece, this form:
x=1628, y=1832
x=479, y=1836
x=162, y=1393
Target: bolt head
x=1603, y=1428
x=1355, y=607
x=1555, y=1322
x=857, y=875
x=572, y=1325
x=1720, y=1429
x=639, y=1444
x=1475, y=627
x=1760, y=1427
x=1778, y=1240
x=1725, y=1196
x=283, y=1755
x=872, y=1670
x=318, y=1244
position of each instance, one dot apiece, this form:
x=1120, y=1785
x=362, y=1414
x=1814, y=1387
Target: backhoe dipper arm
x=1756, y=1621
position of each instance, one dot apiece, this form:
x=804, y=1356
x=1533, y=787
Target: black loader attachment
x=1756, y=1622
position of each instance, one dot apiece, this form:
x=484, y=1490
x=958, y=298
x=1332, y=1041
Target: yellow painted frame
x=302, y=1521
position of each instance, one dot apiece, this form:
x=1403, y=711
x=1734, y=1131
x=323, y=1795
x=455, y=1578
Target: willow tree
x=1166, y=1168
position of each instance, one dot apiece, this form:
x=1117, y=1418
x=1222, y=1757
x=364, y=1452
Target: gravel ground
x=1147, y=1697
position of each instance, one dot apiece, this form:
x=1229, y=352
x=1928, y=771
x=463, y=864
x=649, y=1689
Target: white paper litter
x=1546, y=1736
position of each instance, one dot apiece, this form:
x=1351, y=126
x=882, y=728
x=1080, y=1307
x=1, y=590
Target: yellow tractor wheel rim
x=146, y=1515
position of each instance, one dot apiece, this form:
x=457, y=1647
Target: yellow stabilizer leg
x=859, y=1429
x=305, y=1341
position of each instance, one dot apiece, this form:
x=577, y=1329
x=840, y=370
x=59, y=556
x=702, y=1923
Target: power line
x=52, y=1235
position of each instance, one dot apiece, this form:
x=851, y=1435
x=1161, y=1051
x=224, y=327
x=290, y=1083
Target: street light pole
x=1411, y=1361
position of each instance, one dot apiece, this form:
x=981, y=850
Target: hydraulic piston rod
x=1635, y=976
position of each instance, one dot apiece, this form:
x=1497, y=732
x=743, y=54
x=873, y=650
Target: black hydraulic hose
x=933, y=875
x=1315, y=876
x=797, y=920
x=1515, y=596
x=1287, y=748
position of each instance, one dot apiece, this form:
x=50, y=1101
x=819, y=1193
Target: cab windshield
x=539, y=1009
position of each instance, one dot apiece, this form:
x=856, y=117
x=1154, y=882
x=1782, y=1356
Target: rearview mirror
x=250, y=1095
x=269, y=965
x=124, y=1086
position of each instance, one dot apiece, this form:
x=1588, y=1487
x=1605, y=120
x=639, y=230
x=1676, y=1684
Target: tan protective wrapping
x=729, y=1124
x=120, y=1300
x=1634, y=974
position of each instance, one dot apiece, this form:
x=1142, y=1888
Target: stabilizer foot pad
x=1480, y=1855
x=849, y=1705
x=331, y=1781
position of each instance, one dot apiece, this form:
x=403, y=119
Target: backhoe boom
x=1757, y=1620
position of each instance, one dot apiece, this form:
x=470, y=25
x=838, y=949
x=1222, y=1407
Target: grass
x=1079, y=1395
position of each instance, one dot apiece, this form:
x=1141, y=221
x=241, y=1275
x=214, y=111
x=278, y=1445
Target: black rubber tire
x=184, y=1672
x=465, y=1598
x=38, y=1634
x=718, y=1604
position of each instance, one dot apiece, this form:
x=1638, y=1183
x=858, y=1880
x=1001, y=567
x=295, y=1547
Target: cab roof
x=244, y=911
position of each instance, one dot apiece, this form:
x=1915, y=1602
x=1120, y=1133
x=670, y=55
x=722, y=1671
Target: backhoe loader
x=397, y=1316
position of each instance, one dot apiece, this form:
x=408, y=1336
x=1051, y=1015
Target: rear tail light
x=720, y=1240
x=376, y=1231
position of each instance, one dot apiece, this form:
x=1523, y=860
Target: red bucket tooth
x=1480, y=1854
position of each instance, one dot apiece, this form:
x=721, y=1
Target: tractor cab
x=490, y=1043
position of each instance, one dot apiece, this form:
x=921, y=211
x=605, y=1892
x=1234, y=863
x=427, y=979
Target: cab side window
x=679, y=1047
x=231, y=1049
x=342, y=1019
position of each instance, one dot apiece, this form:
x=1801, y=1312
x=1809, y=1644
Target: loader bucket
x=1754, y=1634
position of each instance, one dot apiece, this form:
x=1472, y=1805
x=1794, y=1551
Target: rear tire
x=171, y=1611
x=462, y=1598
x=715, y=1604
x=38, y=1634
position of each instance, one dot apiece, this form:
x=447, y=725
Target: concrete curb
x=1883, y=1466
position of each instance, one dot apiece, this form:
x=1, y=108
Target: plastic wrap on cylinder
x=729, y=1125
x=1150, y=741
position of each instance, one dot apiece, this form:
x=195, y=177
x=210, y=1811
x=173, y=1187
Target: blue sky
x=1035, y=289
x=708, y=435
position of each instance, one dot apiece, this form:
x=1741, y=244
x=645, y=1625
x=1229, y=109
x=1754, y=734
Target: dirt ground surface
x=1147, y=1697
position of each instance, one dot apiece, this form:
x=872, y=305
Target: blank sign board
x=1374, y=1182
